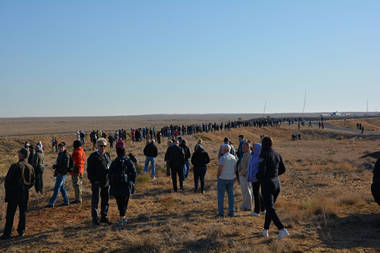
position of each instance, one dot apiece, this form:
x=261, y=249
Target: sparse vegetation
x=325, y=203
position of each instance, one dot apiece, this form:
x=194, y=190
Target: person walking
x=252, y=171
x=38, y=165
x=122, y=180
x=98, y=165
x=79, y=158
x=246, y=187
x=175, y=158
x=18, y=181
x=270, y=168
x=61, y=167
x=151, y=152
x=225, y=176
x=186, y=166
x=375, y=187
x=200, y=159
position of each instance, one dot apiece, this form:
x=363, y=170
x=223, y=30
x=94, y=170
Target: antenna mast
x=304, y=103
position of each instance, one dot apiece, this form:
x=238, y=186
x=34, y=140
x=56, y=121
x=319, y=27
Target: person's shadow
x=355, y=231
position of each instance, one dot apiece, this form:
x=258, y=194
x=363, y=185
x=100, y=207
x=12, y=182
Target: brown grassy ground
x=368, y=124
x=325, y=203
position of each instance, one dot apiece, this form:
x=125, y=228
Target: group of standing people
x=256, y=167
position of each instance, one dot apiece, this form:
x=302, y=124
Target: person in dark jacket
x=31, y=153
x=62, y=167
x=186, y=166
x=98, y=165
x=200, y=159
x=122, y=180
x=19, y=179
x=175, y=158
x=151, y=152
x=38, y=165
x=270, y=167
x=375, y=187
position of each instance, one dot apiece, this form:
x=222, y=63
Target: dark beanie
x=23, y=152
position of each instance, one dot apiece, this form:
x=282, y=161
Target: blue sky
x=78, y=58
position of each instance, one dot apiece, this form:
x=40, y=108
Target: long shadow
x=17, y=241
x=362, y=230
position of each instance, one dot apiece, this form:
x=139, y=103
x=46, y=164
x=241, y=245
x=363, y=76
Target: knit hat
x=23, y=152
x=120, y=143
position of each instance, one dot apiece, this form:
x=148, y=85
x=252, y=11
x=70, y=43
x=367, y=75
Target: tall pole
x=304, y=103
x=265, y=107
x=367, y=106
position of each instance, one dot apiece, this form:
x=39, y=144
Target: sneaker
x=220, y=216
x=265, y=233
x=95, y=222
x=125, y=221
x=50, y=206
x=263, y=212
x=254, y=214
x=283, y=233
x=5, y=237
x=105, y=220
x=21, y=234
x=154, y=178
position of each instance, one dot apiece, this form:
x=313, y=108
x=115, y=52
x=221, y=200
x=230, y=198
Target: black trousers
x=270, y=190
x=38, y=184
x=22, y=204
x=103, y=191
x=376, y=193
x=259, y=203
x=199, y=174
x=122, y=204
x=175, y=172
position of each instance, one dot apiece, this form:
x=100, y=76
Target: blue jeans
x=186, y=169
x=152, y=160
x=223, y=185
x=59, y=187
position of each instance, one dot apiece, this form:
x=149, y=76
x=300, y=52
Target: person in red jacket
x=79, y=158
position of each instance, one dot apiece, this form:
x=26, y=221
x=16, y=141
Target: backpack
x=27, y=176
x=121, y=178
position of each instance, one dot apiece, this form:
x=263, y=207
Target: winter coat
x=118, y=186
x=38, y=162
x=98, y=168
x=186, y=150
x=150, y=150
x=62, y=165
x=16, y=183
x=200, y=158
x=79, y=158
x=253, y=166
x=175, y=156
x=271, y=166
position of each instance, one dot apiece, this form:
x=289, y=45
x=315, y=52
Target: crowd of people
x=256, y=166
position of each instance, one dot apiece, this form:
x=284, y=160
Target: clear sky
x=73, y=58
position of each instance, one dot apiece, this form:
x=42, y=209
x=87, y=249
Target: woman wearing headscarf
x=270, y=167
x=252, y=171
x=122, y=180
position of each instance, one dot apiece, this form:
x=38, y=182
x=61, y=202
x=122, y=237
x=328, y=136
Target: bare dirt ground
x=325, y=203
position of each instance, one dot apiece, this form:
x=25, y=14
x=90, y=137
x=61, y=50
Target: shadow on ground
x=355, y=231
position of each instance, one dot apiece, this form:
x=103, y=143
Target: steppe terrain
x=325, y=201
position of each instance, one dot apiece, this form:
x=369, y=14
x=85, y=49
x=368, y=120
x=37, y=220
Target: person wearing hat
x=98, y=165
x=38, y=165
x=61, y=168
x=19, y=179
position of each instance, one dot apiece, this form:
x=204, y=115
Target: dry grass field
x=325, y=203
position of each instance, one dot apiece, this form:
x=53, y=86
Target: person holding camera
x=62, y=167
x=122, y=180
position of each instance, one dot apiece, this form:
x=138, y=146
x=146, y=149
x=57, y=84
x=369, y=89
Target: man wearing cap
x=98, y=165
x=61, y=168
x=19, y=179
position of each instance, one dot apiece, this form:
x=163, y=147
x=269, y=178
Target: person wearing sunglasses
x=98, y=165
